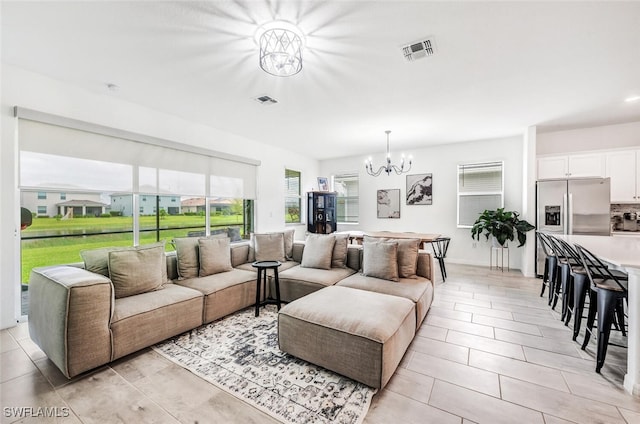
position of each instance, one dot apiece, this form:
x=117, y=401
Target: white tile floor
x=489, y=351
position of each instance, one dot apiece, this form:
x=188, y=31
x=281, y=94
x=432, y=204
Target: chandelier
x=281, y=45
x=388, y=167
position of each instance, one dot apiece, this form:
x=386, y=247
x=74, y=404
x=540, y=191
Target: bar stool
x=440, y=246
x=607, y=293
x=550, y=264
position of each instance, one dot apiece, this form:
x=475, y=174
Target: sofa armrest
x=70, y=313
x=425, y=265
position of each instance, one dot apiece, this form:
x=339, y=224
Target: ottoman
x=360, y=334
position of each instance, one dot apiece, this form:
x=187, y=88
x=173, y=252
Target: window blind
x=55, y=157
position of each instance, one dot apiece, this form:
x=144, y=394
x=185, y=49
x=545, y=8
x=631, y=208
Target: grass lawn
x=61, y=250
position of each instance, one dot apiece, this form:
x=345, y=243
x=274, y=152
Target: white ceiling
x=500, y=67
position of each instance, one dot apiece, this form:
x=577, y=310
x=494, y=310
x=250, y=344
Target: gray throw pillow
x=318, y=250
x=269, y=247
x=407, y=254
x=187, y=257
x=214, y=256
x=339, y=256
x=380, y=260
x=137, y=270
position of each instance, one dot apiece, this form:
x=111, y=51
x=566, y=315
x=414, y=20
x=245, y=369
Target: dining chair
x=440, y=246
x=607, y=293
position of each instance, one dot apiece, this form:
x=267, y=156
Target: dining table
x=357, y=237
x=622, y=253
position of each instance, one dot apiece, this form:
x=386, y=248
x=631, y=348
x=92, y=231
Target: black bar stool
x=607, y=293
x=440, y=246
x=550, y=264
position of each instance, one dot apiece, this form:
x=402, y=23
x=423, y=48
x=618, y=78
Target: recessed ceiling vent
x=419, y=50
x=266, y=100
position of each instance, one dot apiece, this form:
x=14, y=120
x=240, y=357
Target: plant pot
x=494, y=243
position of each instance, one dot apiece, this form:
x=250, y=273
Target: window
x=346, y=186
x=42, y=210
x=42, y=195
x=292, y=197
x=480, y=187
x=63, y=196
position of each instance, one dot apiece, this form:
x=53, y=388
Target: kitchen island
x=622, y=253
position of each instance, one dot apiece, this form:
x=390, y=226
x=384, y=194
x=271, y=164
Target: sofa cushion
x=323, y=277
x=288, y=235
x=214, y=256
x=318, y=251
x=339, y=256
x=187, y=254
x=380, y=260
x=97, y=260
x=137, y=270
x=215, y=282
x=407, y=254
x=269, y=247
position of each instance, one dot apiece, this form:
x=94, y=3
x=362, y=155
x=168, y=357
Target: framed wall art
x=388, y=203
x=323, y=184
x=420, y=189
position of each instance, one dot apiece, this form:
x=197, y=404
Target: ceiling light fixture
x=632, y=99
x=281, y=45
x=388, y=167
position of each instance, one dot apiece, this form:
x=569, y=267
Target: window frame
x=487, y=164
x=289, y=196
x=336, y=179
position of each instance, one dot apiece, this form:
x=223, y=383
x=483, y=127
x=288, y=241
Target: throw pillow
x=136, y=271
x=407, y=254
x=380, y=260
x=269, y=247
x=339, y=256
x=214, y=256
x=318, y=250
x=187, y=257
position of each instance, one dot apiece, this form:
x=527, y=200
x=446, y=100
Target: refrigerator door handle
x=570, y=214
x=564, y=214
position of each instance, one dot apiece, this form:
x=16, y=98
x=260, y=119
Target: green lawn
x=60, y=250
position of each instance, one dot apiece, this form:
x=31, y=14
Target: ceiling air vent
x=419, y=50
x=266, y=100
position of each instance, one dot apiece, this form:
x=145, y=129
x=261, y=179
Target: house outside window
x=42, y=195
x=63, y=196
x=292, y=196
x=42, y=210
x=346, y=187
x=480, y=187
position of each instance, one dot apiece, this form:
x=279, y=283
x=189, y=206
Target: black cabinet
x=321, y=212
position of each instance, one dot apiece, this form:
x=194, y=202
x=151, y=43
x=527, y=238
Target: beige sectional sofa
x=77, y=320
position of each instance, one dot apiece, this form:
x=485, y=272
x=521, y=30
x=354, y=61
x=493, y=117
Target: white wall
x=34, y=91
x=441, y=161
x=585, y=139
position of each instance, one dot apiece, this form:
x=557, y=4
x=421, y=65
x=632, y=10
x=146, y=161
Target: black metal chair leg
x=591, y=317
x=606, y=309
x=580, y=287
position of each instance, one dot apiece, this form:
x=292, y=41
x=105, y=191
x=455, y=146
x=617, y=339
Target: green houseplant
x=501, y=225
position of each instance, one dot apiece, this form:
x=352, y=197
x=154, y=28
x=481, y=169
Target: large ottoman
x=359, y=334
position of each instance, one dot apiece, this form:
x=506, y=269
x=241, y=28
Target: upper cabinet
x=623, y=167
x=571, y=166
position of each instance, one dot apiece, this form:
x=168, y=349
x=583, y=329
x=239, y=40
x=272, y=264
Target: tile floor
x=489, y=351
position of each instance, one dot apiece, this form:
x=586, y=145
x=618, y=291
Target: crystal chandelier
x=388, y=167
x=281, y=45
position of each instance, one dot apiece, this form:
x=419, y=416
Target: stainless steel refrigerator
x=576, y=206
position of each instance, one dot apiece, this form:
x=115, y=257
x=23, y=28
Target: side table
x=262, y=267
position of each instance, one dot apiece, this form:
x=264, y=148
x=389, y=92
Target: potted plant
x=502, y=226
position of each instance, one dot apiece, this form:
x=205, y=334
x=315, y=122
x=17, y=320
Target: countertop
x=620, y=251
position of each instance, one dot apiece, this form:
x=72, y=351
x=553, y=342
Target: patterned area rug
x=240, y=355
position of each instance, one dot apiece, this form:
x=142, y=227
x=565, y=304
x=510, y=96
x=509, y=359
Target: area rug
x=240, y=355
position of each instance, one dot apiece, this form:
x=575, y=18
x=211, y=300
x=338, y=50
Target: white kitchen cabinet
x=571, y=166
x=623, y=167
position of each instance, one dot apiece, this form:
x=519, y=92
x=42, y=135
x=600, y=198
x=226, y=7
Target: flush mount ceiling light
x=388, y=167
x=281, y=45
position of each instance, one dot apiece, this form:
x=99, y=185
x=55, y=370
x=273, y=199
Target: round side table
x=262, y=267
